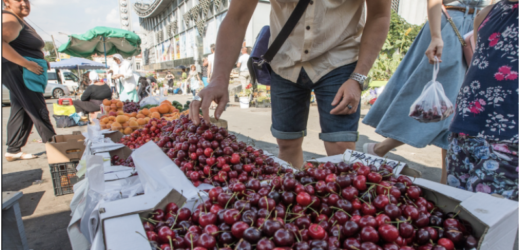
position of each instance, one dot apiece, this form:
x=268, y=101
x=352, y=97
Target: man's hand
x=348, y=94
x=213, y=92
x=435, y=50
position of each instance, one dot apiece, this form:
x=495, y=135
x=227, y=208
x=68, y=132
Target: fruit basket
x=64, y=177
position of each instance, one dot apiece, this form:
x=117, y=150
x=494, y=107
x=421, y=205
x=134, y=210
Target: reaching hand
x=213, y=92
x=348, y=96
x=435, y=50
x=34, y=67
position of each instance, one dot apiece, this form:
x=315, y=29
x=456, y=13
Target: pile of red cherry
x=432, y=114
x=116, y=160
x=343, y=206
x=206, y=153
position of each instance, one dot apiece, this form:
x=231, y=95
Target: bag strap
x=286, y=30
x=461, y=39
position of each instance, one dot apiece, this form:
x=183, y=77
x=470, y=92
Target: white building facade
x=180, y=32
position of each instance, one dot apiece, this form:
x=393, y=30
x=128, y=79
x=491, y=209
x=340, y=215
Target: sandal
x=20, y=156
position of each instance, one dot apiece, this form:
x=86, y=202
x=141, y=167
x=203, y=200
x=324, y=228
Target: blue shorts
x=290, y=106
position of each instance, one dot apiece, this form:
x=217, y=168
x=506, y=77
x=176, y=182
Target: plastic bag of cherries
x=432, y=105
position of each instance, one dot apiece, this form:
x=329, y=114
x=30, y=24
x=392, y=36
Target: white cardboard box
x=494, y=219
x=356, y=156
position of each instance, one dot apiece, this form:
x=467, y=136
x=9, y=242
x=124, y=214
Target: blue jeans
x=290, y=106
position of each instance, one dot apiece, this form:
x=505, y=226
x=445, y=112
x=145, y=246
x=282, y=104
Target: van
x=65, y=77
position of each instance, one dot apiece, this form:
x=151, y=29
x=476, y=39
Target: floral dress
x=483, y=152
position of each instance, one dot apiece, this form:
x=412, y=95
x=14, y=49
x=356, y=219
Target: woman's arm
x=434, y=20
x=11, y=28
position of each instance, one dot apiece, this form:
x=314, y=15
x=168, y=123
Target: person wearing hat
x=93, y=96
x=124, y=74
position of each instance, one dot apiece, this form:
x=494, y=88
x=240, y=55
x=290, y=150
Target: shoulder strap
x=286, y=30
x=19, y=20
x=448, y=17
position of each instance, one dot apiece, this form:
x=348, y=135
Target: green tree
x=49, y=46
x=400, y=37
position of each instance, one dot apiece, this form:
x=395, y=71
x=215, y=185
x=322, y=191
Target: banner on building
x=177, y=48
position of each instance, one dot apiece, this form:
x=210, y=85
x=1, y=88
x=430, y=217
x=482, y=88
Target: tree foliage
x=400, y=37
x=49, y=46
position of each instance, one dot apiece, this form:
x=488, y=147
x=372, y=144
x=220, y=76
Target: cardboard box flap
x=61, y=152
x=123, y=233
x=501, y=216
x=115, y=136
x=449, y=191
x=123, y=153
x=76, y=135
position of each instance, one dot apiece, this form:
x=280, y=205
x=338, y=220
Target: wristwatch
x=361, y=79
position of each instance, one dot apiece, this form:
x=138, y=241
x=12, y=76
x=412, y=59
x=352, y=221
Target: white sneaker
x=368, y=148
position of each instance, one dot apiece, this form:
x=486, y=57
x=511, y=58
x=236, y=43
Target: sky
x=49, y=17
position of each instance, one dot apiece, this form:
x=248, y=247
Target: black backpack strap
x=286, y=30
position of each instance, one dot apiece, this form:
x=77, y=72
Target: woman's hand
x=34, y=67
x=435, y=50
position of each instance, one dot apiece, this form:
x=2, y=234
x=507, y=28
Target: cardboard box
x=221, y=123
x=115, y=136
x=356, y=156
x=494, y=220
x=65, y=148
x=122, y=218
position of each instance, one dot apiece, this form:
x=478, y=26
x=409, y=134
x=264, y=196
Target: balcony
x=145, y=10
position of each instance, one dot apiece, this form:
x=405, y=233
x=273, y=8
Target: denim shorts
x=290, y=106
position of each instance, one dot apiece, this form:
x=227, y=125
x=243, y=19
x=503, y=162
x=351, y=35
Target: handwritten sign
x=352, y=156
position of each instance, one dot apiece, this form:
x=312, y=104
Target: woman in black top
x=93, y=96
x=20, y=40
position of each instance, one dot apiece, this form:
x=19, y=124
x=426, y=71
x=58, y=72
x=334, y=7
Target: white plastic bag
x=152, y=100
x=432, y=105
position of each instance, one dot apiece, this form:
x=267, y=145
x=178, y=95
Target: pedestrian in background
x=169, y=77
x=143, y=88
x=20, y=46
x=211, y=59
x=242, y=67
x=194, y=80
x=389, y=114
x=205, y=64
x=184, y=82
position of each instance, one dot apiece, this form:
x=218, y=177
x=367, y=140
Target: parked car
x=53, y=89
x=65, y=77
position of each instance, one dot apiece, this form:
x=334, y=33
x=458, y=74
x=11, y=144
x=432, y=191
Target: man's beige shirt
x=326, y=37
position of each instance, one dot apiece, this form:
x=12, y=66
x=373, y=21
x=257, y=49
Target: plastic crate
x=64, y=177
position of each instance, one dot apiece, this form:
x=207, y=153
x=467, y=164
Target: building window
x=138, y=66
x=395, y=5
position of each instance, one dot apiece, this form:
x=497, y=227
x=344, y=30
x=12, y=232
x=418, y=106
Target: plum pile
x=332, y=206
x=130, y=106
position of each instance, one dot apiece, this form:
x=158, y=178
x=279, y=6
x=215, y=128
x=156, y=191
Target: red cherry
x=316, y=232
x=388, y=232
x=304, y=199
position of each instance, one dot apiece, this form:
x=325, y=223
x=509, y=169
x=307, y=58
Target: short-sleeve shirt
x=326, y=37
x=243, y=62
x=487, y=103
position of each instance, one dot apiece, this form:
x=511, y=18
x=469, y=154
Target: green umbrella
x=103, y=40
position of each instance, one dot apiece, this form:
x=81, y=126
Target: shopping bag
x=152, y=100
x=432, y=105
x=63, y=109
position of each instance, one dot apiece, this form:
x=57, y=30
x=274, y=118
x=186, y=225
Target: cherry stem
x=150, y=220
x=230, y=200
x=170, y=239
x=337, y=208
x=286, y=213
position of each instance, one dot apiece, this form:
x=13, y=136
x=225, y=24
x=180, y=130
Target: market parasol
x=103, y=40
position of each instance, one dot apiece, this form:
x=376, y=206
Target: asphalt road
x=46, y=216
